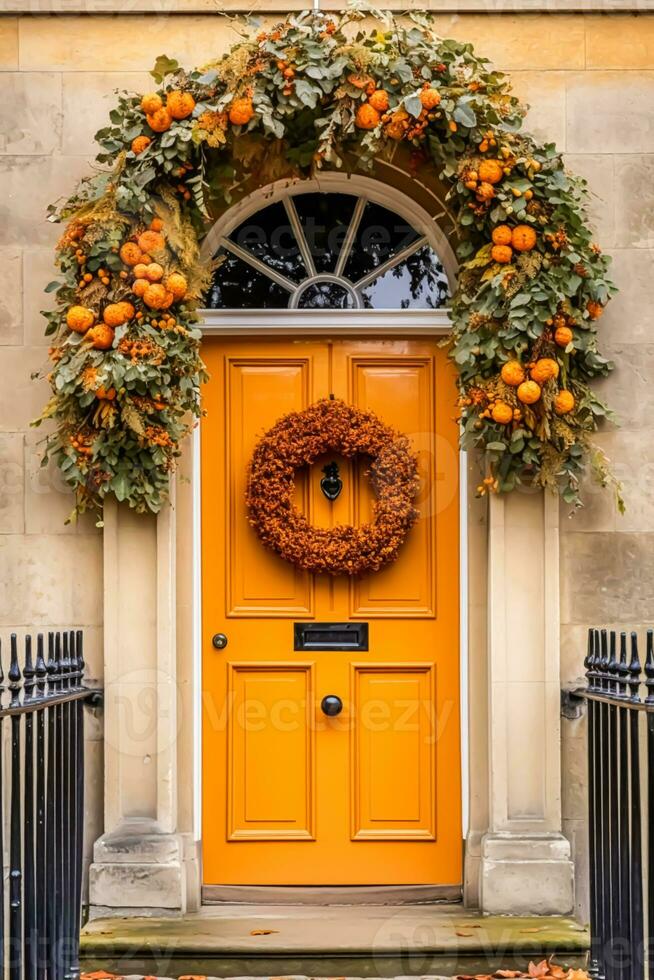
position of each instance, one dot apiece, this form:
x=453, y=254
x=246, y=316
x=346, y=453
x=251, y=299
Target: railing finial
x=649, y=667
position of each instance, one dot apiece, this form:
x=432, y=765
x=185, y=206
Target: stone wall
x=590, y=82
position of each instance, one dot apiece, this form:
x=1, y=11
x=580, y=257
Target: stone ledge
x=276, y=7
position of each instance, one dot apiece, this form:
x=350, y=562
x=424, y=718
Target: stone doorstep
x=424, y=976
x=343, y=941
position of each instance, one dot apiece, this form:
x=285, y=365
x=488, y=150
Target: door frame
x=304, y=324
x=512, y=823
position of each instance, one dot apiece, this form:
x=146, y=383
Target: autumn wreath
x=297, y=440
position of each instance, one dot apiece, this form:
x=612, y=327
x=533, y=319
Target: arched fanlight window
x=320, y=251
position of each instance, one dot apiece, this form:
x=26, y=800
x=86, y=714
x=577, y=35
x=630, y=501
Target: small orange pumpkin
x=115, y=314
x=502, y=413
x=379, y=100
x=529, y=392
x=101, y=336
x=544, y=369
x=140, y=144
x=154, y=272
x=490, y=171
x=159, y=121
x=501, y=235
x=485, y=191
x=130, y=253
x=430, y=98
x=564, y=402
x=155, y=296
x=151, y=241
x=502, y=253
x=523, y=238
x=151, y=103
x=563, y=336
x=367, y=116
x=513, y=373
x=177, y=285
x=180, y=104
x=80, y=319
x=241, y=112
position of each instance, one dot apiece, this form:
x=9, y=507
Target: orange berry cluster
x=82, y=443
x=140, y=348
x=158, y=436
x=399, y=124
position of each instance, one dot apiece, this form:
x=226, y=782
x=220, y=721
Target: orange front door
x=290, y=795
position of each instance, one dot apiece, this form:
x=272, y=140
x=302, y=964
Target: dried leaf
x=537, y=969
x=259, y=932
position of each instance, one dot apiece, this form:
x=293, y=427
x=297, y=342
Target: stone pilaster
x=526, y=864
x=139, y=860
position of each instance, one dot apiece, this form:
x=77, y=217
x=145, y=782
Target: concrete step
x=344, y=941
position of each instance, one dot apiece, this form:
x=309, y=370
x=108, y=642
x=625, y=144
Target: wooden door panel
x=400, y=389
x=393, y=752
x=271, y=770
x=258, y=391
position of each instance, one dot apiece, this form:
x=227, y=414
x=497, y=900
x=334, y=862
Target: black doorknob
x=331, y=705
x=219, y=641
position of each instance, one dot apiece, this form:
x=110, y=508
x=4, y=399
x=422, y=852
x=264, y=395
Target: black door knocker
x=331, y=483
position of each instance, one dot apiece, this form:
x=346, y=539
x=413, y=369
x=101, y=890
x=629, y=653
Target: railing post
x=2, y=833
x=649, y=700
x=30, y=949
x=593, y=806
x=41, y=865
x=15, y=846
x=636, y=862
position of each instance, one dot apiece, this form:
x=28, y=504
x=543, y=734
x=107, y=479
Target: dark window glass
x=269, y=236
x=325, y=219
x=238, y=286
x=326, y=296
x=380, y=235
x=417, y=283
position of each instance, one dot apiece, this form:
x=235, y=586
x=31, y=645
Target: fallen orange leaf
x=459, y=932
x=259, y=932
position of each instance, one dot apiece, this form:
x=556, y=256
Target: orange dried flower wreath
x=297, y=440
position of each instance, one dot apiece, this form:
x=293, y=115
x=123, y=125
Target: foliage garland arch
x=320, y=91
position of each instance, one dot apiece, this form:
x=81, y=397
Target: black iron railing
x=620, y=695
x=42, y=807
